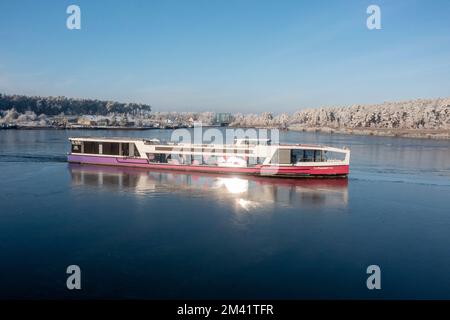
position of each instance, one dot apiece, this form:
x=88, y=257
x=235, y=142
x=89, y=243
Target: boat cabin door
x=282, y=156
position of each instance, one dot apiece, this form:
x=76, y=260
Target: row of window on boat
x=282, y=156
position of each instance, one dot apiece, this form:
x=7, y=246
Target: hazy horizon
x=227, y=56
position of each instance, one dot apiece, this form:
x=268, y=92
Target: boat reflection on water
x=247, y=192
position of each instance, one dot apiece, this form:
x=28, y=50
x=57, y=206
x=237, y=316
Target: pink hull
x=288, y=171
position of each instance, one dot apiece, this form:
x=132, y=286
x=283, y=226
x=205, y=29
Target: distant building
x=85, y=121
x=71, y=119
x=222, y=119
x=88, y=121
x=103, y=122
x=63, y=121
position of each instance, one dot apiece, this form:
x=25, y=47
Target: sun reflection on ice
x=247, y=204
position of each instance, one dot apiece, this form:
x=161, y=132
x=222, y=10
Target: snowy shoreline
x=441, y=134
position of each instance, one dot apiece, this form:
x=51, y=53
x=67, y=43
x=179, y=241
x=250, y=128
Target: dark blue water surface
x=144, y=234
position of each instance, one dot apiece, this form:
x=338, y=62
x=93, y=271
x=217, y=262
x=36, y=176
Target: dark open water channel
x=141, y=234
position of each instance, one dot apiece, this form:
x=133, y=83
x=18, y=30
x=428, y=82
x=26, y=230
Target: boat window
x=158, y=157
x=136, y=151
x=152, y=141
x=182, y=159
x=318, y=156
x=76, y=147
x=197, y=160
x=151, y=157
x=210, y=160
x=334, y=156
x=297, y=155
x=260, y=160
x=110, y=148
x=125, y=149
x=308, y=155
x=91, y=147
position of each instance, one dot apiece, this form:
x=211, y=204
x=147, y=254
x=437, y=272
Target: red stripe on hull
x=286, y=171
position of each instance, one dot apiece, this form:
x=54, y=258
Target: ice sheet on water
x=426, y=177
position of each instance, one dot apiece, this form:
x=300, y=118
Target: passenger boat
x=244, y=156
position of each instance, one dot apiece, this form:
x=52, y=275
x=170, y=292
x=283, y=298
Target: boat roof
x=109, y=138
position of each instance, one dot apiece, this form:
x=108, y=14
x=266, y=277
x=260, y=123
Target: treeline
x=69, y=106
x=263, y=120
x=414, y=114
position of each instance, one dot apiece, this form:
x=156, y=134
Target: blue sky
x=227, y=55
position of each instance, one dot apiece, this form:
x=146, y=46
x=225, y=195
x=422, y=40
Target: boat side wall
x=287, y=171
